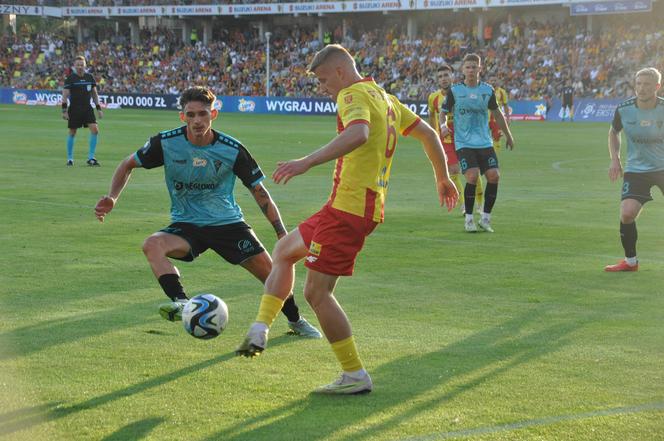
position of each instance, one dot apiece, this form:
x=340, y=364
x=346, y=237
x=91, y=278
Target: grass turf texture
x=517, y=335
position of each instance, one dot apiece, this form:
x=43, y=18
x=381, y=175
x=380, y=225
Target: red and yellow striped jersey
x=361, y=177
x=435, y=102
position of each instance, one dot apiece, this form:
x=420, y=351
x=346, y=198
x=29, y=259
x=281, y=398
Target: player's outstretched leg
x=172, y=311
x=256, y=340
x=297, y=324
x=304, y=329
x=347, y=385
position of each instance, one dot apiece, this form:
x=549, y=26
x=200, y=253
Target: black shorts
x=485, y=159
x=637, y=185
x=80, y=117
x=234, y=242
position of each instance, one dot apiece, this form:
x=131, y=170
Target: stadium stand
x=543, y=58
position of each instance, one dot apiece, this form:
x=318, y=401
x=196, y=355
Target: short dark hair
x=472, y=57
x=197, y=93
x=446, y=67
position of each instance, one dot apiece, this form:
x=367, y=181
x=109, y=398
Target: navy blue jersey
x=200, y=180
x=644, y=130
x=470, y=107
x=80, y=88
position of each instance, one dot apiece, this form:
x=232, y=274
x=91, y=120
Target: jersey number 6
x=391, y=142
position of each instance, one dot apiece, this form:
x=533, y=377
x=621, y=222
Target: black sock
x=490, y=194
x=290, y=309
x=171, y=285
x=469, y=198
x=628, y=238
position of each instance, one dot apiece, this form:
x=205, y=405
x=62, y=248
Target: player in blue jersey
x=642, y=119
x=468, y=103
x=201, y=166
x=79, y=87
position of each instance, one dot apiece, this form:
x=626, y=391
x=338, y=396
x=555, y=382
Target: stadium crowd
x=530, y=60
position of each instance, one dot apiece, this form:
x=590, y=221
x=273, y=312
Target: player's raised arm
x=345, y=142
x=448, y=194
x=118, y=183
x=269, y=209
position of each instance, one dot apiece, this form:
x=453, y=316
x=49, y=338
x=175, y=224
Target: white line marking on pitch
x=558, y=165
x=539, y=422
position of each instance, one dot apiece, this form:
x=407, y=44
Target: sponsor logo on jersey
x=646, y=123
x=315, y=248
x=311, y=259
x=199, y=162
x=179, y=185
x=180, y=161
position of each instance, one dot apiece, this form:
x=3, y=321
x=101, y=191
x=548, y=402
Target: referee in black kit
x=79, y=87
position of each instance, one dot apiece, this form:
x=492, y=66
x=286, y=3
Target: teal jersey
x=644, y=130
x=470, y=107
x=200, y=180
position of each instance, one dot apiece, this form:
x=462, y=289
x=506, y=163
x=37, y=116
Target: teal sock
x=93, y=146
x=70, y=147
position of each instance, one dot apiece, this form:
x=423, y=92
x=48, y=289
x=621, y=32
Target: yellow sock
x=456, y=178
x=346, y=353
x=479, y=193
x=269, y=309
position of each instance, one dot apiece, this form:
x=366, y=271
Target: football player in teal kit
x=642, y=119
x=468, y=103
x=201, y=166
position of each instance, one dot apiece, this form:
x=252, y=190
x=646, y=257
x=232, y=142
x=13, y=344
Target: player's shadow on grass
x=38, y=336
x=21, y=419
x=135, y=431
x=401, y=384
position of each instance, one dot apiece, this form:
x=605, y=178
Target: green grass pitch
x=517, y=335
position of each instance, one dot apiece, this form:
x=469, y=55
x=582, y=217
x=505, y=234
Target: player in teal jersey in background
x=468, y=102
x=201, y=166
x=642, y=119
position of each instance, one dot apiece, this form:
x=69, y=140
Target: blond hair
x=650, y=72
x=472, y=58
x=327, y=53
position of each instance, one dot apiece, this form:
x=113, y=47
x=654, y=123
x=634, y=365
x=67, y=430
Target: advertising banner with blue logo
x=523, y=110
x=591, y=110
x=107, y=100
